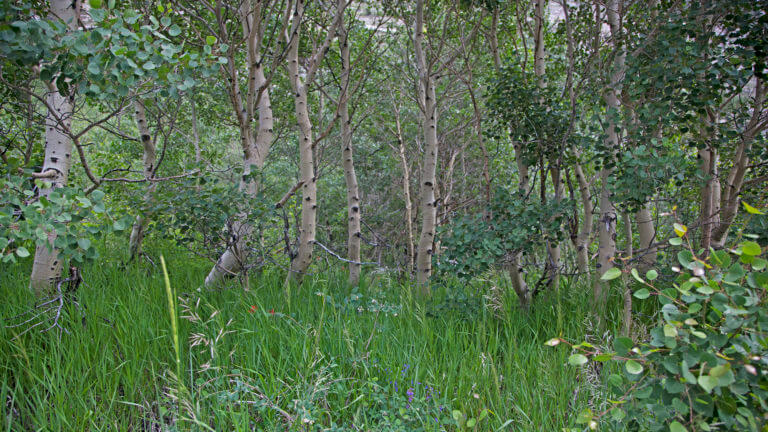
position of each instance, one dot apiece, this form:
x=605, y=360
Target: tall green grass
x=333, y=359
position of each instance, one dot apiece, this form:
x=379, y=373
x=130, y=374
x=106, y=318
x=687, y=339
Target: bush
x=704, y=367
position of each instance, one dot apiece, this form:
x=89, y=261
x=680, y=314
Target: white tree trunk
x=429, y=166
x=255, y=148
x=647, y=236
x=627, y=294
x=585, y=232
x=350, y=177
x=300, y=263
x=408, y=216
x=46, y=267
x=148, y=144
x=607, y=222
x=735, y=179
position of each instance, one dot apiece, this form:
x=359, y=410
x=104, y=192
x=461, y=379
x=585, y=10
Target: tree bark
x=735, y=179
x=647, y=236
x=429, y=166
x=301, y=262
x=46, y=266
x=195, y=133
x=406, y=188
x=255, y=148
x=585, y=232
x=710, y=202
x=607, y=223
x=148, y=144
x=627, y=313
x=350, y=177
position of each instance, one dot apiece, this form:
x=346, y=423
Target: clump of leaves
x=704, y=367
x=517, y=223
x=68, y=217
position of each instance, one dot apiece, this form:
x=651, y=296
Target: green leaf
x=97, y=195
x=675, y=241
x=750, y=209
x=611, y=274
x=622, y=345
x=750, y=248
x=22, y=252
x=456, y=414
x=584, y=417
x=633, y=367
x=210, y=40
x=93, y=68
x=642, y=294
x=720, y=370
x=149, y=65
x=670, y=330
x=471, y=423
x=95, y=4
x=603, y=357
x=707, y=383
x=175, y=30
x=84, y=243
x=577, y=359
x=675, y=426
x=680, y=229
x=652, y=274
x=636, y=275
x=759, y=264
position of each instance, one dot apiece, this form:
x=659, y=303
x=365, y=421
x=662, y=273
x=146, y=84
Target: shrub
x=704, y=367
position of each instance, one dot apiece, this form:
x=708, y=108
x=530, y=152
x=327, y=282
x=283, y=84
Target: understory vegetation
x=384, y=215
x=329, y=357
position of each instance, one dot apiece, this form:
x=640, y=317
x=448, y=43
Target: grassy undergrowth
x=322, y=358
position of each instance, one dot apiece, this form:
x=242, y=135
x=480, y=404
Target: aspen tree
x=46, y=267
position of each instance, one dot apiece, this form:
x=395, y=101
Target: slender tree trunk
x=710, y=199
x=406, y=190
x=539, y=60
x=735, y=179
x=494, y=39
x=607, y=223
x=255, y=148
x=553, y=246
x=350, y=177
x=606, y=237
x=627, y=314
x=647, y=235
x=140, y=224
x=307, y=231
x=195, y=133
x=300, y=263
x=514, y=270
x=46, y=267
x=585, y=232
x=539, y=67
x=429, y=165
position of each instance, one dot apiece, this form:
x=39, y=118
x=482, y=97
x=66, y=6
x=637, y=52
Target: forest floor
x=322, y=357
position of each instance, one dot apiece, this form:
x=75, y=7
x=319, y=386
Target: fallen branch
x=341, y=258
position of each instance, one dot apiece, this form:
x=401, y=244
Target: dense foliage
x=375, y=212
